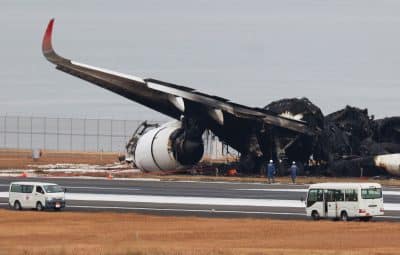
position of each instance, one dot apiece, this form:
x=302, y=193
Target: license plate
x=58, y=205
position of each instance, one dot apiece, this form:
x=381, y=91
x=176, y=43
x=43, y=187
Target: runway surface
x=206, y=199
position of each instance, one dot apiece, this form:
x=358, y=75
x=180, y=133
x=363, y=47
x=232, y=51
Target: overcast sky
x=252, y=52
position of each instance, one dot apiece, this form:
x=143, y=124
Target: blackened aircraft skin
x=251, y=131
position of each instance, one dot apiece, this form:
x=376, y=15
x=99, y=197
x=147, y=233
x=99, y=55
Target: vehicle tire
x=17, y=206
x=39, y=206
x=344, y=216
x=315, y=215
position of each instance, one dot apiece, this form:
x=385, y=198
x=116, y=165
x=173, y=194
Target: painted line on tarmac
x=182, y=210
x=187, y=200
x=100, y=188
x=388, y=217
x=387, y=192
x=276, y=190
x=90, y=187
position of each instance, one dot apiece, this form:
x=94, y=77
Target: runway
x=205, y=199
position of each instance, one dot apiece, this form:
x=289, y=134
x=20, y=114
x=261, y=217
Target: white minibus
x=39, y=195
x=344, y=201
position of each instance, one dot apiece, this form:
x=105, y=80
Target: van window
x=26, y=188
x=314, y=195
x=53, y=188
x=39, y=190
x=351, y=195
x=16, y=188
x=371, y=193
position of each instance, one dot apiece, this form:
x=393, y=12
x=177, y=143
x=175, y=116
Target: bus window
x=330, y=195
x=314, y=195
x=371, y=193
x=339, y=195
x=351, y=195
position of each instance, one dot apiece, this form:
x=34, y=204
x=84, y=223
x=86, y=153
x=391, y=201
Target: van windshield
x=53, y=188
x=371, y=193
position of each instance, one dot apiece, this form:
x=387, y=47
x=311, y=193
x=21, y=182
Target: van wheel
x=17, y=205
x=344, y=217
x=315, y=215
x=39, y=206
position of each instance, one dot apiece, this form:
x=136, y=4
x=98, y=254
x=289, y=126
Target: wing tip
x=47, y=39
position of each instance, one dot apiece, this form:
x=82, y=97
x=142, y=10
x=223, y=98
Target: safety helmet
x=294, y=162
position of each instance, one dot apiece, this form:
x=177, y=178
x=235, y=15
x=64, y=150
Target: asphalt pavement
x=188, y=198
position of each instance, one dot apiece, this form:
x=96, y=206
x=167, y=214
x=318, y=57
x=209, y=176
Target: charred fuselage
x=348, y=143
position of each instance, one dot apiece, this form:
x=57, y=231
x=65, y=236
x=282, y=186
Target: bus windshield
x=53, y=188
x=371, y=193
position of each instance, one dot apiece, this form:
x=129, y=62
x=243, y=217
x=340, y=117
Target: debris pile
x=348, y=141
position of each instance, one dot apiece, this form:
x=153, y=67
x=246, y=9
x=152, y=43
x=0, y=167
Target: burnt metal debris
x=348, y=141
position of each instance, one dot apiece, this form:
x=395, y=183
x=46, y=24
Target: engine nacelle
x=164, y=149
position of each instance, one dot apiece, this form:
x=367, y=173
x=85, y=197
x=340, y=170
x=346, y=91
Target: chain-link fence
x=83, y=135
x=65, y=134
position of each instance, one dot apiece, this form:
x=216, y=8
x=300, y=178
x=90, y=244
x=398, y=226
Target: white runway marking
x=185, y=200
x=276, y=190
x=387, y=192
x=389, y=217
x=100, y=188
x=182, y=210
x=89, y=187
x=179, y=200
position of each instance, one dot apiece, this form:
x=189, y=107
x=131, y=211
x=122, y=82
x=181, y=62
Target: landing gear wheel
x=315, y=215
x=17, y=206
x=39, y=206
x=344, y=217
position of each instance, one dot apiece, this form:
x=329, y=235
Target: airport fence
x=79, y=134
x=65, y=134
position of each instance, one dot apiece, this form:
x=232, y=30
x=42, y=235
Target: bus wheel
x=344, y=217
x=17, y=205
x=315, y=215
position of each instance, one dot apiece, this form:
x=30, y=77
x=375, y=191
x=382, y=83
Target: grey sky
x=252, y=52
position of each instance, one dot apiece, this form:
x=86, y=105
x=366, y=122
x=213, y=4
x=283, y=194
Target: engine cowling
x=165, y=149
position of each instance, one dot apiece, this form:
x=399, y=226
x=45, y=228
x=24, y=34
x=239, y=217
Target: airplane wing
x=170, y=99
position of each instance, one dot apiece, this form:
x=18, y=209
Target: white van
x=39, y=195
x=344, y=201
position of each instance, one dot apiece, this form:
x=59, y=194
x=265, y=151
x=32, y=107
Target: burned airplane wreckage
x=350, y=142
x=343, y=142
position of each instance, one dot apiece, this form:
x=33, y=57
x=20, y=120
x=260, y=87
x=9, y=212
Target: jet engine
x=166, y=148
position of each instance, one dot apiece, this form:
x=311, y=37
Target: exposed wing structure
x=170, y=99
